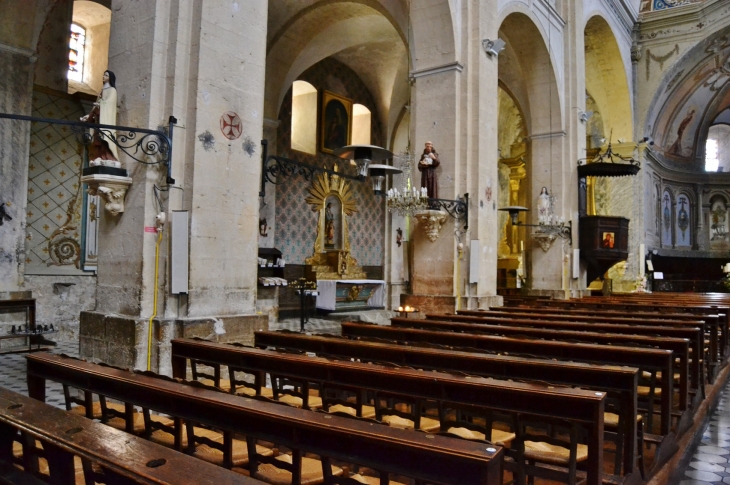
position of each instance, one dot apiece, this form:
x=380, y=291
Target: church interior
x=364, y=241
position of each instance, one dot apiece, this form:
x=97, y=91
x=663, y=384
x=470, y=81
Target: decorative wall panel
x=55, y=193
x=667, y=219
x=296, y=224
x=683, y=229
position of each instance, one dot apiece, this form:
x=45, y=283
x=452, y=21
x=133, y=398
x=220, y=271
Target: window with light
x=76, y=50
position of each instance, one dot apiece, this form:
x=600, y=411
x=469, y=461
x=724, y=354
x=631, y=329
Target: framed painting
x=335, y=123
x=608, y=240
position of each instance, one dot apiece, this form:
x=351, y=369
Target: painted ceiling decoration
x=696, y=91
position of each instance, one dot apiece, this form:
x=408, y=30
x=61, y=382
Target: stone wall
x=60, y=300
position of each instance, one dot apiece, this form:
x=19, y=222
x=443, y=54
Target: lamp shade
x=377, y=176
x=367, y=152
x=514, y=212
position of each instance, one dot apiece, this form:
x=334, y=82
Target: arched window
x=360, y=125
x=717, y=149
x=76, y=51
x=304, y=117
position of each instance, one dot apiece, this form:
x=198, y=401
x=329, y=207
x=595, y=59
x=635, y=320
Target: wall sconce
x=546, y=234
x=584, y=116
x=493, y=47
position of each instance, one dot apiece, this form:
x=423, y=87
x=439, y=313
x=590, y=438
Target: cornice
x=692, y=19
x=19, y=50
x=452, y=66
x=677, y=176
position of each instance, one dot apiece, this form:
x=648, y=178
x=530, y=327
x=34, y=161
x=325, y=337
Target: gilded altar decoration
x=333, y=197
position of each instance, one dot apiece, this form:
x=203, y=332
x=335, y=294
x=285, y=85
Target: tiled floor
x=710, y=463
x=12, y=373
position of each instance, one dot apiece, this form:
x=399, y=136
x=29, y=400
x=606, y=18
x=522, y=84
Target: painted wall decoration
x=683, y=229
x=667, y=219
x=718, y=223
x=55, y=208
x=231, y=125
x=295, y=222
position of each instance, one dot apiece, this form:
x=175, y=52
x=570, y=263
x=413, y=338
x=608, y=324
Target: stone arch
x=606, y=78
x=433, y=34
x=526, y=55
x=316, y=30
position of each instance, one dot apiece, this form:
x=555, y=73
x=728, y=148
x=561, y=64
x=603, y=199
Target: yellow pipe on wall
x=154, y=307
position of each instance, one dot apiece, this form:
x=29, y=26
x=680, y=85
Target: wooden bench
x=418, y=455
x=514, y=327
x=649, y=360
x=122, y=459
x=713, y=321
x=578, y=406
x=692, y=330
x=618, y=382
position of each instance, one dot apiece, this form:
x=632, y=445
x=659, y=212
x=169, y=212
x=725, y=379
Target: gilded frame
x=332, y=133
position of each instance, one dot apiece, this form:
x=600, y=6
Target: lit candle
x=400, y=308
x=522, y=246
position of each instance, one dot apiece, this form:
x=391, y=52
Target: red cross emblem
x=231, y=125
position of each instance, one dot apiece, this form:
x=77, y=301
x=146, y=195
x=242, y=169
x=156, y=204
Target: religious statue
x=329, y=225
x=543, y=207
x=427, y=165
x=104, y=112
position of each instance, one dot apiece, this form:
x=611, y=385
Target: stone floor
x=710, y=462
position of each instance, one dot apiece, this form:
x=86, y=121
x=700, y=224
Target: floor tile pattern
x=12, y=373
x=710, y=462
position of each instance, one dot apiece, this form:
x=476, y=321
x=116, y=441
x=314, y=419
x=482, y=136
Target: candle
x=400, y=308
x=522, y=246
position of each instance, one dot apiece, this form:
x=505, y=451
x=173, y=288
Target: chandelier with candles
x=409, y=199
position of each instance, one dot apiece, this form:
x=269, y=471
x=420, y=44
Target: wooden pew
x=715, y=315
x=693, y=330
x=680, y=346
x=562, y=403
x=123, y=459
x=650, y=360
x=619, y=382
x=417, y=455
x=713, y=321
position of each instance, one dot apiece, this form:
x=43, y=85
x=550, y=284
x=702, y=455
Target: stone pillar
x=454, y=105
x=196, y=61
x=16, y=92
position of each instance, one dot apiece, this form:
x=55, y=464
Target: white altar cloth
x=328, y=293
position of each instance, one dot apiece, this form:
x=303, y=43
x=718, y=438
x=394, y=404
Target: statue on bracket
x=427, y=165
x=334, y=199
x=102, y=151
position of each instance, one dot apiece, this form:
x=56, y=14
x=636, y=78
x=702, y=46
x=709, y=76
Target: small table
x=26, y=305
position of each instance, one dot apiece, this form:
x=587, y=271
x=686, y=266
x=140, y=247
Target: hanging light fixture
x=407, y=200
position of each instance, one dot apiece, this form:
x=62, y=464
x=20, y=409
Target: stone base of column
x=485, y=302
x=429, y=303
x=122, y=340
x=559, y=294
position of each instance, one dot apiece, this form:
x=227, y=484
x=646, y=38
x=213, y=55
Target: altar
x=342, y=295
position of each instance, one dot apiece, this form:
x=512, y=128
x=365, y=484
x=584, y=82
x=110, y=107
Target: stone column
x=16, y=93
x=454, y=105
x=196, y=61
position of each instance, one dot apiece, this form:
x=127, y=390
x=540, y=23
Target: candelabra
x=407, y=201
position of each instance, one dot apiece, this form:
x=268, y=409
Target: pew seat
x=250, y=391
x=117, y=422
x=429, y=425
x=553, y=454
x=311, y=471
x=499, y=437
x=367, y=411
x=314, y=402
x=368, y=480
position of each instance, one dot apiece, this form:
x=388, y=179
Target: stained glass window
x=76, y=46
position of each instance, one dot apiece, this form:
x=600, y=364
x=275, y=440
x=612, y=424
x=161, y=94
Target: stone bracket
x=111, y=188
x=432, y=221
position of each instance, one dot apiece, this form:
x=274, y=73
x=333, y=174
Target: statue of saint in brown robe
x=427, y=166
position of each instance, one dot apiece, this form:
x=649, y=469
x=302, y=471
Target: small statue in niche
x=102, y=151
x=262, y=227
x=543, y=207
x=329, y=225
x=399, y=236
x=427, y=165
